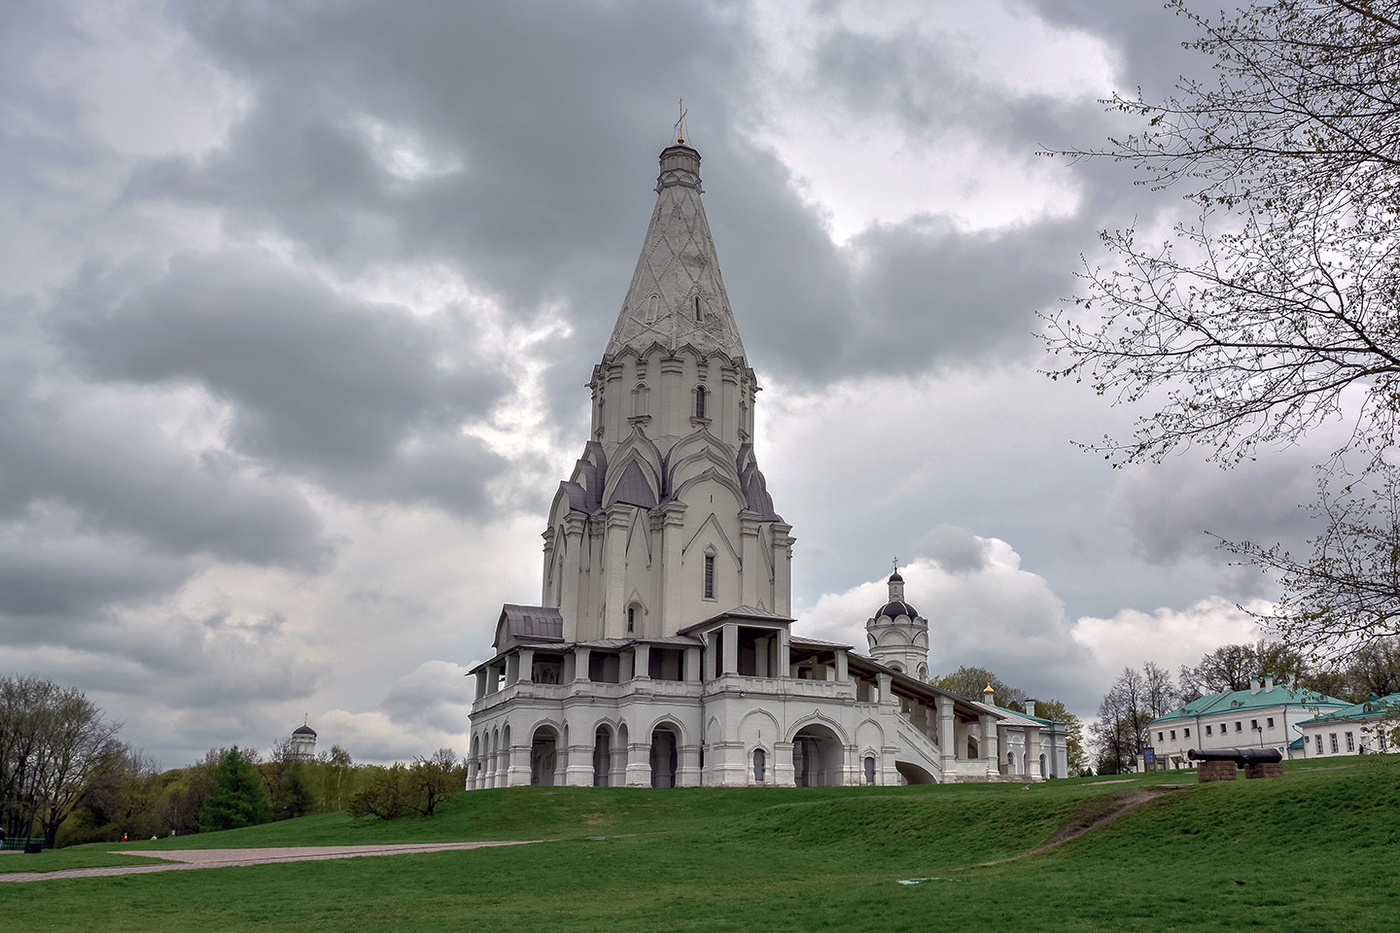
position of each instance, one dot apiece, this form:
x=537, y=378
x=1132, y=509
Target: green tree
x=437, y=778
x=390, y=794
x=970, y=682
x=1278, y=307
x=338, y=765
x=294, y=796
x=239, y=797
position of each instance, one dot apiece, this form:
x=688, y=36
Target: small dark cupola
x=898, y=634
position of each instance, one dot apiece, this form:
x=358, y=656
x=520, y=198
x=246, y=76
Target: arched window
x=632, y=618
x=698, y=316
x=760, y=763
x=700, y=401
x=653, y=309
x=709, y=576
x=869, y=770
x=640, y=399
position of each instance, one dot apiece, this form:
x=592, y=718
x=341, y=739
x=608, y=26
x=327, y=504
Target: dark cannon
x=1220, y=764
x=1242, y=757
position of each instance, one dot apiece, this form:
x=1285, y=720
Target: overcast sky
x=298, y=301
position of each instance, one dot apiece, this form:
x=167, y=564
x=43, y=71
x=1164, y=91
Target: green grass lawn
x=1314, y=850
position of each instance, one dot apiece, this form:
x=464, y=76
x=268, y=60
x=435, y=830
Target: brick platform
x=1264, y=769
x=1215, y=771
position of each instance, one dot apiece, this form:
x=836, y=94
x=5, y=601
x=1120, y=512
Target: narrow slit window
x=699, y=401
x=709, y=576
x=697, y=308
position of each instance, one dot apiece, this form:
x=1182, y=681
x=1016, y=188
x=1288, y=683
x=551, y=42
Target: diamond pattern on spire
x=677, y=267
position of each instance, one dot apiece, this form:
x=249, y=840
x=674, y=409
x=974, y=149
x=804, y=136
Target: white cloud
x=1168, y=637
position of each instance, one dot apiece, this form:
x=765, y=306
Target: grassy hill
x=1314, y=850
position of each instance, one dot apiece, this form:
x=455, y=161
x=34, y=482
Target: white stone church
x=662, y=652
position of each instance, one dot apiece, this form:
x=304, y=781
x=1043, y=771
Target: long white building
x=661, y=653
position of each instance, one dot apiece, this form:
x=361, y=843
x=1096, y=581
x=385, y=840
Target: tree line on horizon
x=66, y=778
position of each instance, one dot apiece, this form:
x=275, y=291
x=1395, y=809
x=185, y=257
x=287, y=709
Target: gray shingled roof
x=528, y=623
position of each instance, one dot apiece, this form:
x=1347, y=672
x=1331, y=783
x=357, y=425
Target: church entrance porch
x=663, y=757
x=817, y=756
x=544, y=756
x=602, y=757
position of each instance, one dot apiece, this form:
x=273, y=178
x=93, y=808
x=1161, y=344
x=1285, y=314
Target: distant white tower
x=898, y=634
x=304, y=742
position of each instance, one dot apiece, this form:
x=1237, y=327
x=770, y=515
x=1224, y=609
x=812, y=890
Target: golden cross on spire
x=680, y=123
x=896, y=565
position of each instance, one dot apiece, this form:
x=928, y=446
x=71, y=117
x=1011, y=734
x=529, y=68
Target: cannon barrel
x=1240, y=756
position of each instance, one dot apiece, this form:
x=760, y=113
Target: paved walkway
x=180, y=859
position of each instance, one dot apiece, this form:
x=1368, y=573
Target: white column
x=572, y=569
x=669, y=602
x=750, y=564
x=990, y=753
x=638, y=762
x=615, y=570
x=782, y=569
x=947, y=734
x=731, y=648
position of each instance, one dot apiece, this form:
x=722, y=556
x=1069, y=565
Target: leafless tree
x=1278, y=307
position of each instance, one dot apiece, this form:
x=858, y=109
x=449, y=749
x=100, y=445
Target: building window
x=760, y=763
x=1224, y=728
x=1208, y=732
x=1173, y=735
x=709, y=576
x=631, y=619
x=1333, y=737
x=1187, y=733
x=1159, y=737
x=697, y=308
x=699, y=401
x=653, y=309
x=1254, y=725
x=1269, y=722
x=1238, y=728
x=1351, y=742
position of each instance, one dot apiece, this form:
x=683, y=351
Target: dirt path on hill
x=181, y=859
x=1097, y=813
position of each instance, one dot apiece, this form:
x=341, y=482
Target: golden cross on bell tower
x=896, y=565
x=680, y=123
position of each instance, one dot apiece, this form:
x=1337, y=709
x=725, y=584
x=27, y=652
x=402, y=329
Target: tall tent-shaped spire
x=677, y=296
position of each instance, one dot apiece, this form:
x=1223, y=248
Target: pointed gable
x=677, y=296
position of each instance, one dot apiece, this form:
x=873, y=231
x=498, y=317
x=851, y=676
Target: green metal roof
x=1236, y=701
x=1024, y=715
x=1372, y=708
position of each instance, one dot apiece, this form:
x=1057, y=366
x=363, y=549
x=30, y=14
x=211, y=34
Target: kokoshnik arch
x=662, y=654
